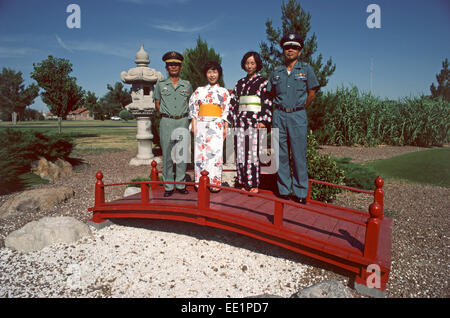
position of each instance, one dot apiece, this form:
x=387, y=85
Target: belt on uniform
x=210, y=110
x=289, y=110
x=250, y=103
x=173, y=117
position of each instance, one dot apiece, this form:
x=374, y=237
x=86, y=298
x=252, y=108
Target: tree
x=126, y=115
x=294, y=19
x=14, y=97
x=32, y=114
x=443, y=88
x=94, y=106
x=194, y=61
x=61, y=92
x=115, y=99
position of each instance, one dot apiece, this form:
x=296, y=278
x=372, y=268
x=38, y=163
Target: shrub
x=348, y=117
x=422, y=122
x=126, y=115
x=18, y=149
x=10, y=168
x=324, y=168
x=51, y=146
x=138, y=179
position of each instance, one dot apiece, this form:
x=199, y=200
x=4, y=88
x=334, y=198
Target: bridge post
x=373, y=230
x=371, y=248
x=144, y=193
x=278, y=214
x=308, y=196
x=203, y=191
x=154, y=175
x=99, y=190
x=379, y=194
x=373, y=224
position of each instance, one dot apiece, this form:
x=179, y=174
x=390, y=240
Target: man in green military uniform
x=171, y=100
x=293, y=88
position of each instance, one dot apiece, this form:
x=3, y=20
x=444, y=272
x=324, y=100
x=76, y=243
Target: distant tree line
x=58, y=90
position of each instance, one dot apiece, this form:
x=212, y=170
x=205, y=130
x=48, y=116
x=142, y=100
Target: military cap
x=172, y=57
x=292, y=39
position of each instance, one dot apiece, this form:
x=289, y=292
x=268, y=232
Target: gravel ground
x=364, y=154
x=171, y=259
x=421, y=244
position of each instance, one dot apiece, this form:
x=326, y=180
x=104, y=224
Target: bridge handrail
x=282, y=201
x=149, y=182
x=337, y=186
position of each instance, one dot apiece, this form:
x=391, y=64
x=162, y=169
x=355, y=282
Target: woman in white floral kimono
x=208, y=108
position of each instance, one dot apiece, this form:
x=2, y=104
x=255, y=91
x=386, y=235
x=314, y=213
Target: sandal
x=214, y=190
x=254, y=190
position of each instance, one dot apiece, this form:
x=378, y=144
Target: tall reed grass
x=350, y=117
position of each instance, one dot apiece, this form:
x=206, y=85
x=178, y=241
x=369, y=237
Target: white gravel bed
x=123, y=261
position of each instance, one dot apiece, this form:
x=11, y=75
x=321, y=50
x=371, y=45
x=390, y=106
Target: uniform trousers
x=172, y=145
x=292, y=130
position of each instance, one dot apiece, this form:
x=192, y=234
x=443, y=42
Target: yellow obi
x=211, y=110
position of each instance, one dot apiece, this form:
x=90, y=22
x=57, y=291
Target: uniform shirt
x=173, y=101
x=210, y=95
x=291, y=90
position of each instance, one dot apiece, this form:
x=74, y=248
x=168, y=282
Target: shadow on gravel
x=78, y=164
x=223, y=236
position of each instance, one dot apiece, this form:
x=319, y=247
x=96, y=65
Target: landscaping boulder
x=35, y=200
x=325, y=289
x=51, y=171
x=36, y=235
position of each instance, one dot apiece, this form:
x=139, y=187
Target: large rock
x=35, y=200
x=36, y=235
x=51, y=170
x=325, y=289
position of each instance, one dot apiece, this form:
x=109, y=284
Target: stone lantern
x=142, y=80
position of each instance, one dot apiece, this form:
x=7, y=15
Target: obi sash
x=250, y=103
x=211, y=110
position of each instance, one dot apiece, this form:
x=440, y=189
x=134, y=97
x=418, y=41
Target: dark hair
x=212, y=65
x=257, y=60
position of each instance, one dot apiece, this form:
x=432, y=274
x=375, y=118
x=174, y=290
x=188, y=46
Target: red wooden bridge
x=349, y=239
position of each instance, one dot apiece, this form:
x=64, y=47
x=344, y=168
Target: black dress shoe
x=284, y=197
x=168, y=193
x=298, y=200
x=183, y=191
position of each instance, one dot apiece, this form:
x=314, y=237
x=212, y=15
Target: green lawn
x=430, y=166
x=89, y=140
x=68, y=123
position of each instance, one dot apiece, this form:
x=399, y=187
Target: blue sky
x=407, y=50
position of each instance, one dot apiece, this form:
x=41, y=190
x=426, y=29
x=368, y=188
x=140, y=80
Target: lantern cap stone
x=142, y=57
x=141, y=73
